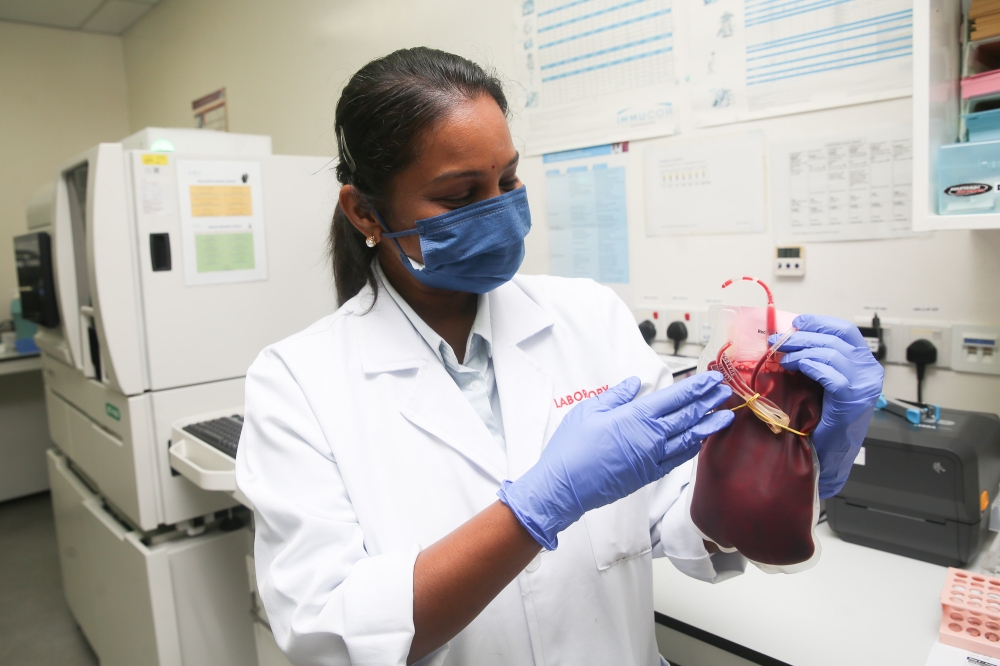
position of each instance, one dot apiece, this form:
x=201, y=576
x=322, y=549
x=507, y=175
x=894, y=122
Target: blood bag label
x=860, y=460
x=967, y=189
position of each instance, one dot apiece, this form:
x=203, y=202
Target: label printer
x=922, y=490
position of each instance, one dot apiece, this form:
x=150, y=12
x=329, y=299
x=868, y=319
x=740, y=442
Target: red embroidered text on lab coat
x=578, y=396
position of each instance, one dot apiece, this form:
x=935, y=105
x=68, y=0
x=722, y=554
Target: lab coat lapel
x=388, y=343
x=438, y=406
x=525, y=386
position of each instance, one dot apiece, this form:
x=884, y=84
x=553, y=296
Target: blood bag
x=756, y=482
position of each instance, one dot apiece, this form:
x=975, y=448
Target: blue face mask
x=475, y=248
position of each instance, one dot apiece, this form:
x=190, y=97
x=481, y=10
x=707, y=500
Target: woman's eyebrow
x=473, y=173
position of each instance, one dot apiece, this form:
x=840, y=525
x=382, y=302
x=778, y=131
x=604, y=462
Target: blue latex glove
x=610, y=446
x=833, y=353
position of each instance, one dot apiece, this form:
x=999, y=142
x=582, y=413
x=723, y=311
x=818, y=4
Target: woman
x=378, y=440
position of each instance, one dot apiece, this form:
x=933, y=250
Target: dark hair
x=381, y=115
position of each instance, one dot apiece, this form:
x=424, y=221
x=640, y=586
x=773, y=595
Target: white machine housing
x=137, y=348
x=149, y=571
x=175, y=601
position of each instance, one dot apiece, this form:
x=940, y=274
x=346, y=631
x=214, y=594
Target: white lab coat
x=359, y=449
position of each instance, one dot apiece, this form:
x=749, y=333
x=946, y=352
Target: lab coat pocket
x=620, y=530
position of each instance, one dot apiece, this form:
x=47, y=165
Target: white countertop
x=11, y=363
x=857, y=606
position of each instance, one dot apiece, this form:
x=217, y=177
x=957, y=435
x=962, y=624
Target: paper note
x=946, y=655
x=156, y=191
x=759, y=58
x=705, y=186
x=586, y=208
x=224, y=252
x=221, y=200
x=843, y=187
x=595, y=71
x=222, y=221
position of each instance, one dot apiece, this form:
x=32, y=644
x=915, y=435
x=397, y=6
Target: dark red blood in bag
x=754, y=489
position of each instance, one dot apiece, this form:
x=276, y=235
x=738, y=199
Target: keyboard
x=222, y=433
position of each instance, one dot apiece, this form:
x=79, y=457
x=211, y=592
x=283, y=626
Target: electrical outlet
x=897, y=334
x=939, y=333
x=887, y=326
x=975, y=349
x=661, y=317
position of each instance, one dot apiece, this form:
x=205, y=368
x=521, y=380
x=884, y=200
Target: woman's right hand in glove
x=610, y=446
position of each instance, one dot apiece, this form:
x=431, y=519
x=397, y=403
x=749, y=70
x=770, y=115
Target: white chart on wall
x=760, y=58
x=586, y=208
x=843, y=187
x=713, y=185
x=595, y=71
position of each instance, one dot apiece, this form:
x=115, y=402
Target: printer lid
x=935, y=472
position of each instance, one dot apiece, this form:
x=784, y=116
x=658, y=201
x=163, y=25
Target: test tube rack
x=970, y=612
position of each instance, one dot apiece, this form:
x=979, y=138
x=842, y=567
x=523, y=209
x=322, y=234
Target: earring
x=370, y=241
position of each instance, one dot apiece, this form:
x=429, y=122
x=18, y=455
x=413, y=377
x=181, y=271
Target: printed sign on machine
x=222, y=221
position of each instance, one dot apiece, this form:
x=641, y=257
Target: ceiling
x=109, y=17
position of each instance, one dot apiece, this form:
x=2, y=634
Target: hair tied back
x=344, y=151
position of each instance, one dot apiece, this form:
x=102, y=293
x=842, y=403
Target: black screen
x=33, y=256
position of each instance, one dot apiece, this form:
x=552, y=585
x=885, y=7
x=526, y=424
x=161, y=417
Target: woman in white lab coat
x=378, y=440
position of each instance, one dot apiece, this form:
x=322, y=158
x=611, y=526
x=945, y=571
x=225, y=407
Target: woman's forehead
x=474, y=131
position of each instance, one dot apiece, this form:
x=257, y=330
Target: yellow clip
x=764, y=418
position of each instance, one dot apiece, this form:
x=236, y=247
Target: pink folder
x=978, y=85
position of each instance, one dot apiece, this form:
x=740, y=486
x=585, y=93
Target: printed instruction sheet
x=222, y=221
x=705, y=186
x=586, y=208
x=595, y=71
x=760, y=58
x=843, y=187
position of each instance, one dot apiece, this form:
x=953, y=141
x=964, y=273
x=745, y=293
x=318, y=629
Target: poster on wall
x=595, y=71
x=210, y=111
x=855, y=186
x=222, y=221
x=587, y=215
x=705, y=186
x=760, y=58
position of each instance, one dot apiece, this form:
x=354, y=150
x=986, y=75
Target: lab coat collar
x=525, y=386
x=514, y=315
x=387, y=342
x=480, y=326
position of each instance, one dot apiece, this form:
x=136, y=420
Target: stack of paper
x=985, y=17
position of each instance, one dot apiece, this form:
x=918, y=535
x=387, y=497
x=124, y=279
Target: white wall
x=283, y=65
x=60, y=93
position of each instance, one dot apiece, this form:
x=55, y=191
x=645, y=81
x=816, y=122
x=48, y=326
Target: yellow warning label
x=220, y=200
x=158, y=159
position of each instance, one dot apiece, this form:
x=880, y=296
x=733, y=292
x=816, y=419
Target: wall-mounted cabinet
x=940, y=30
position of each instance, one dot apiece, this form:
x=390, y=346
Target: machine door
x=232, y=255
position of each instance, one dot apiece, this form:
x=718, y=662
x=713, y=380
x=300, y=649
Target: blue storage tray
x=968, y=177
x=983, y=125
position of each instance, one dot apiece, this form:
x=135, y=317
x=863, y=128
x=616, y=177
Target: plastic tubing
x=767, y=356
x=772, y=316
x=764, y=409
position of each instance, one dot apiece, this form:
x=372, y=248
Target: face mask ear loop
x=403, y=257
